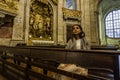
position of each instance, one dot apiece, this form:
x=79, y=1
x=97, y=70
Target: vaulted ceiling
x=107, y=5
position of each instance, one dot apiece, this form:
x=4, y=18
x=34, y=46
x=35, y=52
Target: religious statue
x=48, y=22
x=38, y=22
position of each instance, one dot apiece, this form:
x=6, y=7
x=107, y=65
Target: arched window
x=71, y=4
x=112, y=24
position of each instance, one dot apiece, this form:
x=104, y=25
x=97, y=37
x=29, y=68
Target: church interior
x=34, y=34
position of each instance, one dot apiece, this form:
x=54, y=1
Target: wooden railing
x=97, y=62
x=104, y=48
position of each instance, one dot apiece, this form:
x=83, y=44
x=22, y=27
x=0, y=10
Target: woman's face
x=76, y=30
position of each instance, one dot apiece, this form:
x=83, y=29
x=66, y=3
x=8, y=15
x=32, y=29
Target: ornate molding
x=9, y=5
x=41, y=42
x=73, y=14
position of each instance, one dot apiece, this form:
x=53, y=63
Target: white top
x=78, y=44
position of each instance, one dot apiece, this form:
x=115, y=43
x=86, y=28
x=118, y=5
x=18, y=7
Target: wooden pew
x=107, y=61
x=9, y=69
x=40, y=57
x=25, y=73
x=102, y=62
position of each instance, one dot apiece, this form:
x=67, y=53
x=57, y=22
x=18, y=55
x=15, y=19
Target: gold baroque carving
x=55, y=2
x=68, y=13
x=9, y=5
x=44, y=1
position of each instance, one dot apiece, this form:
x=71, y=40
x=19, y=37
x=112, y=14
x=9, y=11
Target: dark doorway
x=69, y=32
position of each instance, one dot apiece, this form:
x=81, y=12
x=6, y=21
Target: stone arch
x=104, y=9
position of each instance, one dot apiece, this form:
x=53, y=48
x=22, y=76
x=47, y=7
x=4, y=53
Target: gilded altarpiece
x=41, y=22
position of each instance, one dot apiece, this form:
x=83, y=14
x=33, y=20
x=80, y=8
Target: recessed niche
x=6, y=26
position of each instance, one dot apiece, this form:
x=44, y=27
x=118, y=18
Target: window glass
x=71, y=4
x=112, y=24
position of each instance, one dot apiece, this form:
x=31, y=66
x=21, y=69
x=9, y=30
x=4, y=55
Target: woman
x=78, y=41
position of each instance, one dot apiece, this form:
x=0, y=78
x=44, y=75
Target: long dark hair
x=82, y=34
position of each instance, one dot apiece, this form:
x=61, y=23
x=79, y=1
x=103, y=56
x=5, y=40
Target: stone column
x=60, y=28
x=103, y=38
x=85, y=18
x=78, y=3
x=18, y=27
x=89, y=20
x=26, y=20
x=18, y=23
x=94, y=22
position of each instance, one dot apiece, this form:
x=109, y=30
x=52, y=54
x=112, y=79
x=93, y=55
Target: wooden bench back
x=18, y=51
x=91, y=58
x=88, y=59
